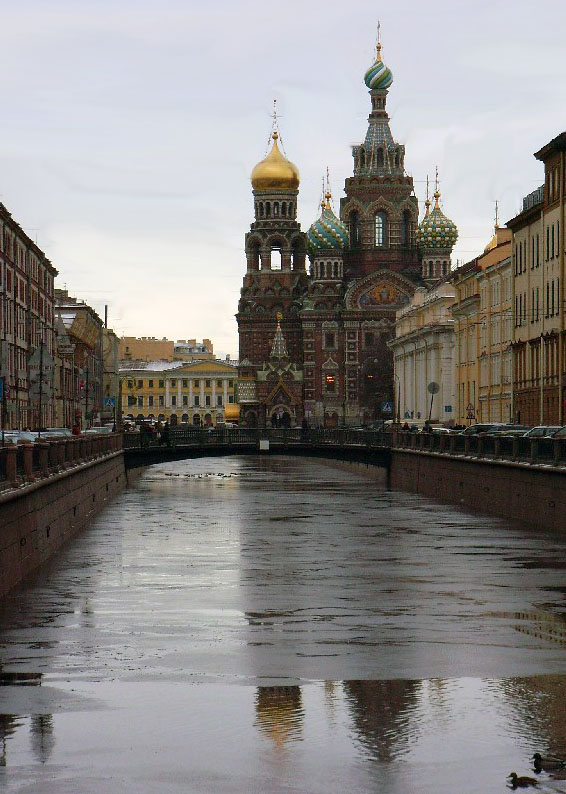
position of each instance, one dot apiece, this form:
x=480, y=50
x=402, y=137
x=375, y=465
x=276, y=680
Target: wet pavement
x=271, y=624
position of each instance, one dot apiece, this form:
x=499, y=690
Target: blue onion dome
x=378, y=75
x=328, y=232
x=435, y=229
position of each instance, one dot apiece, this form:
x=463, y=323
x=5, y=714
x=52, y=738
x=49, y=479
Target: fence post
x=534, y=450
x=43, y=458
x=11, y=454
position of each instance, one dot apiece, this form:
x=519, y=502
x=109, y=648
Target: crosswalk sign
x=387, y=407
x=109, y=402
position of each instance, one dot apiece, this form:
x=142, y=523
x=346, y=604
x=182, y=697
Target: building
x=423, y=351
x=483, y=336
x=191, y=350
x=195, y=392
x=539, y=355
x=27, y=325
x=80, y=351
x=149, y=348
x=335, y=321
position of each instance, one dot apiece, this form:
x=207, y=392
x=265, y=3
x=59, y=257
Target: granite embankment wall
x=38, y=517
x=518, y=491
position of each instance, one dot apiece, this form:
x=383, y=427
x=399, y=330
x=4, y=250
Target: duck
x=521, y=782
x=547, y=764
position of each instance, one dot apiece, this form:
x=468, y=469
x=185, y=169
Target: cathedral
x=313, y=343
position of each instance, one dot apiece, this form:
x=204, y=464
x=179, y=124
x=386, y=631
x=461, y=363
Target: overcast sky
x=129, y=129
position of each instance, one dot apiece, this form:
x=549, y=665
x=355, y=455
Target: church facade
x=313, y=344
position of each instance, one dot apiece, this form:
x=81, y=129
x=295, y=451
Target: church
x=313, y=343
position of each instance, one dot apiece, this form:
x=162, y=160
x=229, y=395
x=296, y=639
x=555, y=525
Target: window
x=219, y=400
x=207, y=384
x=369, y=338
x=330, y=383
x=140, y=384
x=230, y=384
x=161, y=401
x=130, y=384
x=173, y=400
x=161, y=384
x=185, y=383
x=196, y=384
x=150, y=401
x=207, y=400
x=406, y=229
x=150, y=384
x=355, y=236
x=185, y=399
x=140, y=401
x=131, y=400
x=219, y=384
x=230, y=398
x=329, y=339
x=380, y=230
x=197, y=400
x=173, y=383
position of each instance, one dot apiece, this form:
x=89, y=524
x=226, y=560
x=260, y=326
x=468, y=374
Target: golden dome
x=493, y=243
x=275, y=173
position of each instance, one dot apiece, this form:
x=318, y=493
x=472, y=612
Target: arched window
x=406, y=229
x=283, y=209
x=276, y=259
x=354, y=229
x=379, y=158
x=261, y=209
x=362, y=158
x=275, y=209
x=268, y=209
x=380, y=230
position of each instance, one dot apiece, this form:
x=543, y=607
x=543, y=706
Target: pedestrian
x=76, y=431
x=164, y=439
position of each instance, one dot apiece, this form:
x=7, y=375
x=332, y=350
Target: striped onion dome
x=435, y=229
x=328, y=232
x=378, y=75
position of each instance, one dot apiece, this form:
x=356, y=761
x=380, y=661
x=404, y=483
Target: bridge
x=180, y=443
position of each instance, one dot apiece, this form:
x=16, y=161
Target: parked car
x=473, y=430
x=542, y=431
x=99, y=430
x=509, y=429
x=560, y=433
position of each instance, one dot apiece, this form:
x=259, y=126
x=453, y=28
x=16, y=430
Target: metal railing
x=200, y=437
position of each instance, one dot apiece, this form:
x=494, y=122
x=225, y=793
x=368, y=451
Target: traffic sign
x=109, y=402
x=387, y=407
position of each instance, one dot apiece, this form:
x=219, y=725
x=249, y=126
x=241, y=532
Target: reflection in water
x=42, y=738
x=279, y=713
x=382, y=711
x=8, y=725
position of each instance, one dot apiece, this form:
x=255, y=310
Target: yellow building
x=195, y=392
x=149, y=348
x=483, y=329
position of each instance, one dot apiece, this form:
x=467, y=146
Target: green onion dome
x=378, y=75
x=435, y=229
x=328, y=232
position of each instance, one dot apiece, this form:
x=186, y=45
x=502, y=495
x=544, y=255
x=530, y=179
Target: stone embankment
x=48, y=492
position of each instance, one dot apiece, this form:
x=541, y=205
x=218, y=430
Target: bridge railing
x=24, y=463
x=199, y=437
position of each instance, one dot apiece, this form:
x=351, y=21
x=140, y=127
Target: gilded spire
x=436, y=194
x=378, y=47
x=427, y=202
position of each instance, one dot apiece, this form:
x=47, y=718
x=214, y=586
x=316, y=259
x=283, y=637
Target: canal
x=279, y=624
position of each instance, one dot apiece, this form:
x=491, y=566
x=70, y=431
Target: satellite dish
x=433, y=388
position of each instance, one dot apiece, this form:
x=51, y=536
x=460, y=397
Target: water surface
x=283, y=625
